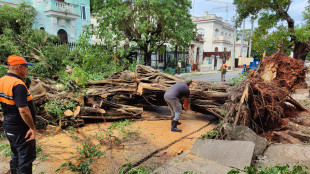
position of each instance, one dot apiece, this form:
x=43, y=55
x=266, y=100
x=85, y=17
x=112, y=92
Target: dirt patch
x=152, y=141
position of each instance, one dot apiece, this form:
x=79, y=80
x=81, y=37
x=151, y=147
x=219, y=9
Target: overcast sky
x=226, y=10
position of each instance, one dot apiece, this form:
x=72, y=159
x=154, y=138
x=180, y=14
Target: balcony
x=199, y=37
x=63, y=9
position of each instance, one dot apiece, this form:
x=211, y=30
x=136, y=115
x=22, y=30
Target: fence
x=72, y=45
x=162, y=61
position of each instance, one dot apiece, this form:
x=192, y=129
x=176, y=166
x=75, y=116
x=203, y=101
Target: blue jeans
x=23, y=153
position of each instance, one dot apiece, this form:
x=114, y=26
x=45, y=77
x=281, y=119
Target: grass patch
x=298, y=169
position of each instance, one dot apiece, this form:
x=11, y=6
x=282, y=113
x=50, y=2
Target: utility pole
x=252, y=26
x=242, y=39
x=234, y=43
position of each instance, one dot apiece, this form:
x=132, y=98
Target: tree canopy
x=15, y=23
x=143, y=24
x=270, y=14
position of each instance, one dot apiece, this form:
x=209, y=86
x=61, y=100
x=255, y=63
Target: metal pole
x=252, y=26
x=242, y=39
x=234, y=45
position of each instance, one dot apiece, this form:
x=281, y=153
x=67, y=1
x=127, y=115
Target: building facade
x=65, y=18
x=195, y=53
x=218, y=38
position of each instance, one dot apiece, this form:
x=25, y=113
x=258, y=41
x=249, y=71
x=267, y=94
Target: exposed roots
x=263, y=100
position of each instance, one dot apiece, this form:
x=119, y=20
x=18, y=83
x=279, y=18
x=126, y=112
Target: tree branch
x=288, y=6
x=290, y=21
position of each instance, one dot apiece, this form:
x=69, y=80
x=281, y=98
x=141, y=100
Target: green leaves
x=143, y=24
x=15, y=23
x=6, y=149
x=285, y=169
x=275, y=24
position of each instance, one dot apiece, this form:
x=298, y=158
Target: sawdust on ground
x=147, y=137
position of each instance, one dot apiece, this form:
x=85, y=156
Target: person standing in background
x=179, y=66
x=223, y=70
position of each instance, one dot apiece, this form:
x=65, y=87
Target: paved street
x=211, y=76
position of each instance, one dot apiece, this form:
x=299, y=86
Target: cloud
x=218, y=7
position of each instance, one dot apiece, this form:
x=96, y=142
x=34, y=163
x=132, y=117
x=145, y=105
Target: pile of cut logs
x=124, y=94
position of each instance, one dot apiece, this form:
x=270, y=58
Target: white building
x=218, y=36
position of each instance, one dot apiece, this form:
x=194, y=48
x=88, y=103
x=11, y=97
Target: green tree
x=14, y=23
x=144, y=24
x=17, y=36
x=268, y=42
x=272, y=12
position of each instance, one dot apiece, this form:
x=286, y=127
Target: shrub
x=298, y=169
x=238, y=79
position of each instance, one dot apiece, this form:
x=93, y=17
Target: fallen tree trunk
x=100, y=107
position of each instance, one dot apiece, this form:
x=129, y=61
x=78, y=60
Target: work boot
x=179, y=123
x=174, y=127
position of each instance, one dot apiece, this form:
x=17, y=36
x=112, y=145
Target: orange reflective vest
x=7, y=84
x=12, y=118
x=223, y=66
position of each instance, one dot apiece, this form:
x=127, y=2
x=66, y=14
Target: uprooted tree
x=262, y=101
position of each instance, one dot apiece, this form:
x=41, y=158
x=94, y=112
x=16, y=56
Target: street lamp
x=233, y=19
x=252, y=24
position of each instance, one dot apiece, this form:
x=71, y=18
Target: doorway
x=63, y=36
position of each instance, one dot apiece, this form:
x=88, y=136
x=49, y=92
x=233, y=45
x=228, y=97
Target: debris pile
x=262, y=101
x=122, y=95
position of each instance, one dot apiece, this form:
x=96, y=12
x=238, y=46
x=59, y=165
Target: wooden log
x=300, y=135
x=76, y=111
x=103, y=82
x=210, y=110
x=286, y=138
x=206, y=102
x=74, y=123
x=91, y=111
x=144, y=72
x=219, y=97
x=244, y=96
x=112, y=90
x=92, y=102
x=37, y=89
x=207, y=86
x=68, y=113
x=39, y=94
x=40, y=99
x=146, y=88
x=118, y=109
x=107, y=117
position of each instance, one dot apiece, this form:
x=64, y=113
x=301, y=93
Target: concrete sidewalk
x=211, y=157
x=184, y=75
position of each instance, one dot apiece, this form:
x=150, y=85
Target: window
x=83, y=12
